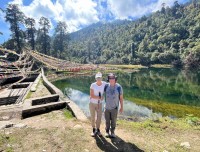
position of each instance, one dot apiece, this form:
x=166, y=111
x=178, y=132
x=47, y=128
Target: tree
x=194, y=2
x=163, y=8
x=61, y=37
x=133, y=55
x=30, y=32
x=43, y=38
x=15, y=17
x=2, y=11
x=192, y=61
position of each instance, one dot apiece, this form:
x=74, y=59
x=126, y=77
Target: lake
x=160, y=91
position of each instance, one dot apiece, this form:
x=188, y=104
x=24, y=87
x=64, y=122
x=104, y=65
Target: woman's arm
x=92, y=95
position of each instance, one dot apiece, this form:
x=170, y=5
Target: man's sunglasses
x=111, y=78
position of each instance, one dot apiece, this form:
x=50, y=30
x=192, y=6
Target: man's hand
x=121, y=110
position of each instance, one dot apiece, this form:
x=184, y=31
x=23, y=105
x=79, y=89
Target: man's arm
x=121, y=99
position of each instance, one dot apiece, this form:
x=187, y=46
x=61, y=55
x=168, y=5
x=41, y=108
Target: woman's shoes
x=96, y=132
x=93, y=132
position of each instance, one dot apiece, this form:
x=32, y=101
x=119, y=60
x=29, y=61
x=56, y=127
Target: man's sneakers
x=112, y=135
x=98, y=132
x=93, y=132
x=107, y=135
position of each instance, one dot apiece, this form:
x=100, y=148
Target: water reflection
x=130, y=109
x=166, y=91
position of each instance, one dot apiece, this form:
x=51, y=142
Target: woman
x=96, y=97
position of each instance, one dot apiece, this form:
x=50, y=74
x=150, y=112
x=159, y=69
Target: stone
x=174, y=140
x=77, y=127
x=8, y=133
x=5, y=124
x=86, y=150
x=185, y=145
x=5, y=118
x=8, y=145
x=20, y=125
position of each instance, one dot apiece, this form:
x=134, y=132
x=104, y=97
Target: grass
x=68, y=114
x=123, y=66
x=136, y=66
x=163, y=134
x=168, y=108
x=161, y=66
x=159, y=125
x=5, y=142
x=30, y=93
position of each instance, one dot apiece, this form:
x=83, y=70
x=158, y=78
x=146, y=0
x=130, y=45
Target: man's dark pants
x=111, y=118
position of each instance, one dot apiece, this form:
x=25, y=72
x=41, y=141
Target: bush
x=192, y=61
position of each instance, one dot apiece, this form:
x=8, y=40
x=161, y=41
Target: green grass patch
x=123, y=66
x=161, y=66
x=29, y=95
x=68, y=114
x=168, y=108
x=5, y=140
x=135, y=66
x=160, y=125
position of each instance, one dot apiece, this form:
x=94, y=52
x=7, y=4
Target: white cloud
x=19, y=2
x=76, y=13
x=134, y=8
x=80, y=13
x=1, y=16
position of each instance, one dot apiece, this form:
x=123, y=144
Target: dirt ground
x=53, y=132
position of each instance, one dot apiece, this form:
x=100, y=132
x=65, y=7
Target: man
x=113, y=95
x=96, y=97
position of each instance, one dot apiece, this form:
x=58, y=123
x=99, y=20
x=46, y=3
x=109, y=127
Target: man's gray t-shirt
x=112, y=96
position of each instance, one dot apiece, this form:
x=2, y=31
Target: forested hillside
x=168, y=36
x=171, y=35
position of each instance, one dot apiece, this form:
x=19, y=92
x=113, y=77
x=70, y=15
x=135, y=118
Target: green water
x=166, y=91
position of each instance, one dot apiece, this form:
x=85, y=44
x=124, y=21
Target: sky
x=81, y=13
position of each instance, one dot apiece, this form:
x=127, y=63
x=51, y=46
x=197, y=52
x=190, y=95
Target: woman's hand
x=101, y=98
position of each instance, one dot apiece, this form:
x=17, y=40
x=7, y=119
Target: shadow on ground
x=116, y=145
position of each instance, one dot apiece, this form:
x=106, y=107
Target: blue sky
x=81, y=13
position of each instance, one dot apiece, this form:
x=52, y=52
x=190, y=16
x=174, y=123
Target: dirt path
x=52, y=132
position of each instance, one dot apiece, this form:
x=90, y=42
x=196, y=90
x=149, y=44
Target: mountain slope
x=171, y=35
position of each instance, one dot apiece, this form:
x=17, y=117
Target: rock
x=78, y=127
x=5, y=124
x=185, y=145
x=173, y=139
x=8, y=133
x=165, y=151
x=86, y=150
x=20, y=125
x=5, y=118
